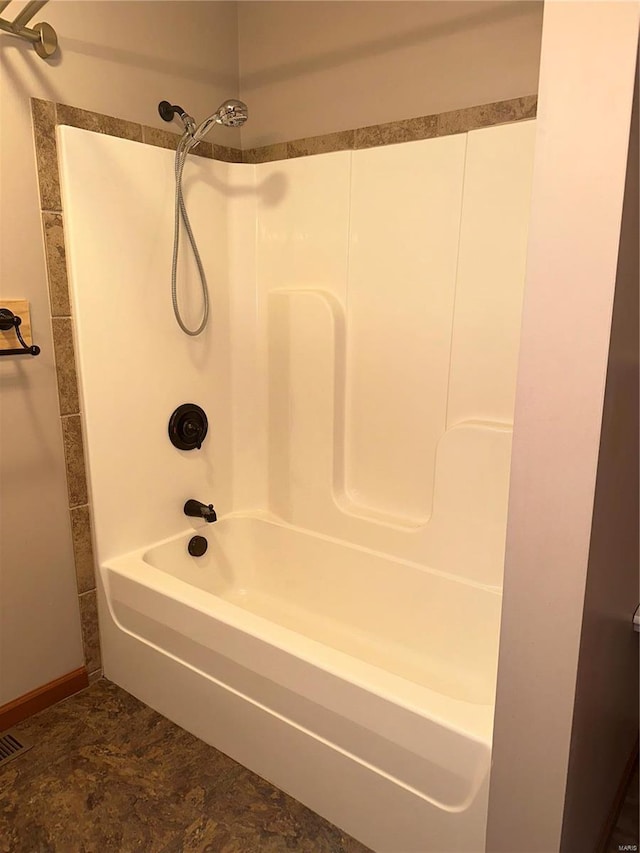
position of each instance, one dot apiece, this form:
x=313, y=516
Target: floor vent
x=11, y=746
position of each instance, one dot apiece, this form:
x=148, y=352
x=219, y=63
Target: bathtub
x=360, y=684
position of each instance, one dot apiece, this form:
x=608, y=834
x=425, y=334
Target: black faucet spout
x=195, y=509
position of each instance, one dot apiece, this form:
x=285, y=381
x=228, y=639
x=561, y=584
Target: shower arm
x=42, y=36
x=169, y=111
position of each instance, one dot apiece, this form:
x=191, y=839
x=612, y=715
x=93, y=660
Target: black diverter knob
x=188, y=427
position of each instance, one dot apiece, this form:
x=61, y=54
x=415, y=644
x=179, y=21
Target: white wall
x=120, y=59
x=579, y=178
x=605, y=717
x=311, y=68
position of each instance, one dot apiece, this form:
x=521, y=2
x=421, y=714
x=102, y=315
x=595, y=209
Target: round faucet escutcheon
x=188, y=426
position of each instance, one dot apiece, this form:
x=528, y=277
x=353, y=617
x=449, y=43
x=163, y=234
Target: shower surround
x=340, y=636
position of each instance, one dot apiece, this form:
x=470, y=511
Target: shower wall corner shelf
x=42, y=36
x=15, y=328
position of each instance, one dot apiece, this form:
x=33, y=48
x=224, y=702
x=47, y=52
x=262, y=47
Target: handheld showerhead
x=231, y=113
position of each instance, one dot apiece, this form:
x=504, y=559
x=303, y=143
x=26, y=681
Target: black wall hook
x=9, y=320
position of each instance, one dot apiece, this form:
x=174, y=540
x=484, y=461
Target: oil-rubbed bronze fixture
x=197, y=546
x=188, y=427
x=42, y=36
x=196, y=509
x=8, y=320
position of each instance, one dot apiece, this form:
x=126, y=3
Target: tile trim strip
x=46, y=115
x=407, y=130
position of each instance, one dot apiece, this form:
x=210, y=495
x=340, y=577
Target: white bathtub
x=360, y=684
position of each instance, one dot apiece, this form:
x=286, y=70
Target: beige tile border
x=266, y=154
x=65, y=365
x=46, y=116
x=56, y=264
x=408, y=130
x=74, y=459
x=44, y=128
x=342, y=141
x=90, y=631
x=83, y=548
x=88, y=120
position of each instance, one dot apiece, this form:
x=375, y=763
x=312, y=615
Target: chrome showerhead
x=231, y=113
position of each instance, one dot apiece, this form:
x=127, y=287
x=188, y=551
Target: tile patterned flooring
x=107, y=774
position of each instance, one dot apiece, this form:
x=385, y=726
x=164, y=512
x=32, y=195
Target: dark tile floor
x=109, y=775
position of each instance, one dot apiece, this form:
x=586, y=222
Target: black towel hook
x=9, y=320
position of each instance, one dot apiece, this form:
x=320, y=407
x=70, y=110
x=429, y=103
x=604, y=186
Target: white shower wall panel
x=403, y=246
x=356, y=279
x=389, y=362
x=306, y=404
x=247, y=405
x=302, y=235
x=362, y=302
x=491, y=267
x=303, y=226
x=118, y=196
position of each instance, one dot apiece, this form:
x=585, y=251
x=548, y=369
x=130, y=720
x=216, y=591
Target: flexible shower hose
x=184, y=146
